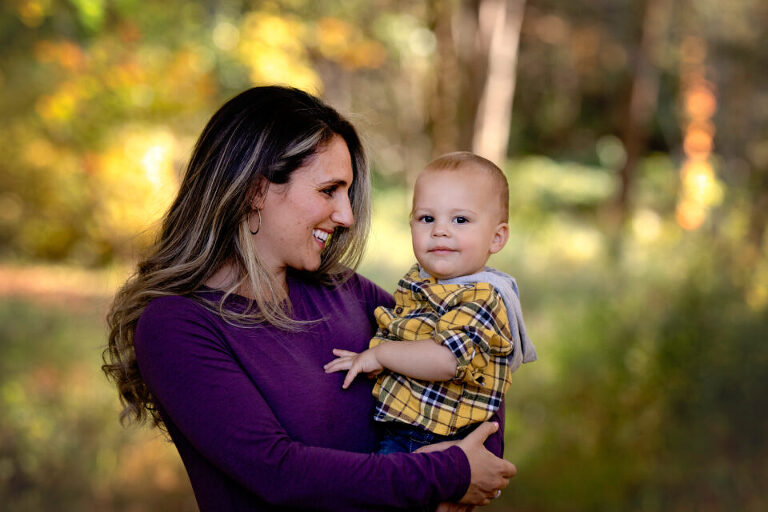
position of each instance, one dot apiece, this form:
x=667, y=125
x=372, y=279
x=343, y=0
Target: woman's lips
x=321, y=236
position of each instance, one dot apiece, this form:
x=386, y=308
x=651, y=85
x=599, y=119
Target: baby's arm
x=423, y=359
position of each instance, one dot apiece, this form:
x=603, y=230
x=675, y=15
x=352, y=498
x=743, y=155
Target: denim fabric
x=400, y=438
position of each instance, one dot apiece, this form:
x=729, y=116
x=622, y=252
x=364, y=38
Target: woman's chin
x=309, y=266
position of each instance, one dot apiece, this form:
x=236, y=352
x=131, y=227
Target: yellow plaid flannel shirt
x=471, y=320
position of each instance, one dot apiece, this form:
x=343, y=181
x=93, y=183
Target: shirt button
x=398, y=310
x=385, y=332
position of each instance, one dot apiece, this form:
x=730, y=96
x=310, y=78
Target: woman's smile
x=321, y=236
x=299, y=217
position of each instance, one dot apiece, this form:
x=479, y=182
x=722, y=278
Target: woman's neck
x=227, y=277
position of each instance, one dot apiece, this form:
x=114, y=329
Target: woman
x=222, y=333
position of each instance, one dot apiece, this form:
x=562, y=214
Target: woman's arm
x=482, y=492
x=219, y=410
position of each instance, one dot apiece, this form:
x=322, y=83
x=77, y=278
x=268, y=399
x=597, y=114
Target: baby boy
x=444, y=355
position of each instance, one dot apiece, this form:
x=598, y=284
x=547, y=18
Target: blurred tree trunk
x=643, y=97
x=444, y=94
x=758, y=149
x=746, y=129
x=470, y=100
x=743, y=130
x=759, y=211
x=499, y=29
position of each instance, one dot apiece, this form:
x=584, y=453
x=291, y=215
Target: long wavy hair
x=263, y=133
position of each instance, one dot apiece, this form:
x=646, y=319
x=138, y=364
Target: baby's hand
x=354, y=363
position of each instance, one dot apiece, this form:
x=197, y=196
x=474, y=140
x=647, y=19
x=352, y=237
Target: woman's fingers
x=481, y=433
x=508, y=470
x=436, y=447
x=478, y=437
x=453, y=507
x=489, y=473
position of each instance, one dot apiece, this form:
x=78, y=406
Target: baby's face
x=455, y=223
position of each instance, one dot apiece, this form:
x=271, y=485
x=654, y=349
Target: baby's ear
x=500, y=237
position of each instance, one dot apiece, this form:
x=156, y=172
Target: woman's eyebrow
x=339, y=182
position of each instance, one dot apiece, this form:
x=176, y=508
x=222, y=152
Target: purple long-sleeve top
x=260, y=426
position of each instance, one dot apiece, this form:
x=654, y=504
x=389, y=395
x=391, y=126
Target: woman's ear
x=259, y=193
x=500, y=237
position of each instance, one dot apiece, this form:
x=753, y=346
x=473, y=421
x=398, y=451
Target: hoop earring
x=258, y=211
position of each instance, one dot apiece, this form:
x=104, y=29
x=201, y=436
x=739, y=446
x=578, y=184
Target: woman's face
x=298, y=218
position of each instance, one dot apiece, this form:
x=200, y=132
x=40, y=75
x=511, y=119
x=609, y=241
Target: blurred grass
x=61, y=446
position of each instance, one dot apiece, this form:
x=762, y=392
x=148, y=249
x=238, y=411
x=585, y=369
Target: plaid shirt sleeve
x=474, y=332
x=471, y=320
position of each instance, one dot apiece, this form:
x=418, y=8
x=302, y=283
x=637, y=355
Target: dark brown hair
x=263, y=133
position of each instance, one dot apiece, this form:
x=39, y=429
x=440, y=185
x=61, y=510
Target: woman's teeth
x=320, y=235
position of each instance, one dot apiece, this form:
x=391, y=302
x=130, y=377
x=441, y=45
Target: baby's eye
x=426, y=218
x=460, y=220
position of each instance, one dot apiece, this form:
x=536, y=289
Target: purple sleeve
x=375, y=297
x=190, y=371
x=495, y=442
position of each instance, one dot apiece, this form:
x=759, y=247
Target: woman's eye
x=461, y=220
x=328, y=191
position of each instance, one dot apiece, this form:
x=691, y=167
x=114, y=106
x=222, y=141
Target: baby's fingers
x=338, y=352
x=351, y=374
x=338, y=364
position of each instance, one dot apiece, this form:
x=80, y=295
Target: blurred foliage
x=60, y=445
x=648, y=391
x=102, y=99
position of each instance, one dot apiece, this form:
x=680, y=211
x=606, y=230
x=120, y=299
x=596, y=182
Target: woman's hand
x=445, y=506
x=489, y=474
x=364, y=362
x=454, y=507
x=435, y=447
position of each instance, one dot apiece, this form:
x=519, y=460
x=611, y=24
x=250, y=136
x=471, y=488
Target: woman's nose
x=342, y=214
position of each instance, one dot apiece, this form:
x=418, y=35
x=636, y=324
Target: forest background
x=635, y=137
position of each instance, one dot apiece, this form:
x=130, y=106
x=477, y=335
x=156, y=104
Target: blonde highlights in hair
x=262, y=135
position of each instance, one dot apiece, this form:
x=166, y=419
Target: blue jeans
x=400, y=437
